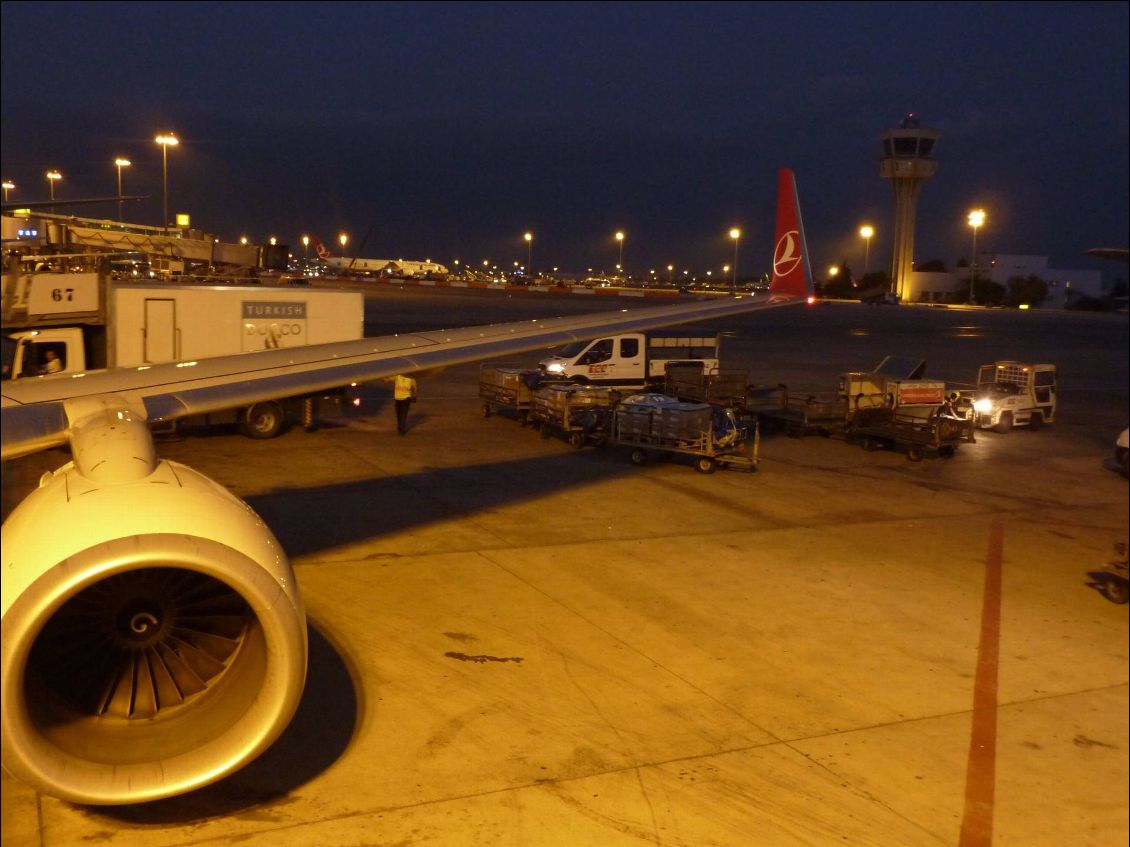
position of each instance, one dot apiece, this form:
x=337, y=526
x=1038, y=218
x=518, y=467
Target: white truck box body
x=170, y=323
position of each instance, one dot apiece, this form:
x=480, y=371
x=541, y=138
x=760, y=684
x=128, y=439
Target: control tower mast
x=907, y=162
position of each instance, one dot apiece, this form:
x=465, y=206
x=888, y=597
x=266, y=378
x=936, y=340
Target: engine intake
x=152, y=660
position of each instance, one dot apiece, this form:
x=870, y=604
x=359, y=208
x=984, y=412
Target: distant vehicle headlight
x=983, y=406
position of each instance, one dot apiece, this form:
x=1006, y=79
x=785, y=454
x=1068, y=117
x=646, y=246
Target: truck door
x=160, y=330
x=41, y=358
x=1044, y=389
x=631, y=366
x=598, y=363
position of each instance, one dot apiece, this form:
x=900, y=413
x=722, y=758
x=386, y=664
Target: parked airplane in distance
x=389, y=267
x=154, y=640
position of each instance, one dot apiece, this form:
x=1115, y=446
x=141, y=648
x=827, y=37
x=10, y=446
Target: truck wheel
x=915, y=452
x=1036, y=421
x=870, y=444
x=263, y=420
x=705, y=464
x=577, y=439
x=1005, y=423
x=638, y=456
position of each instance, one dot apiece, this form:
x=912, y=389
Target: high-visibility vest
x=404, y=388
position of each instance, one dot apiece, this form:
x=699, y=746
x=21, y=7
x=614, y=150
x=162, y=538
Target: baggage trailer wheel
x=577, y=439
x=705, y=464
x=915, y=452
x=638, y=456
x=487, y=410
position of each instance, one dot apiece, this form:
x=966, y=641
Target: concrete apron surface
x=518, y=643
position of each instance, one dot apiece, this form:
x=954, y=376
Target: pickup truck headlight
x=983, y=406
x=555, y=368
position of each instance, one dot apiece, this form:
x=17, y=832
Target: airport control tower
x=907, y=162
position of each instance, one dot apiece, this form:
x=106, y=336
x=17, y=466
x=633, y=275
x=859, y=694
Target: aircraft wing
x=34, y=413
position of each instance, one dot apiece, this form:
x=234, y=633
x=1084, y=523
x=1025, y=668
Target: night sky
x=448, y=130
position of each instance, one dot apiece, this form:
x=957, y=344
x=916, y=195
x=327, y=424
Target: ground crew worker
x=403, y=393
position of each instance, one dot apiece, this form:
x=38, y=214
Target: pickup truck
x=632, y=360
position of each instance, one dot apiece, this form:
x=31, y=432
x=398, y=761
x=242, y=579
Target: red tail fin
x=792, y=273
x=320, y=248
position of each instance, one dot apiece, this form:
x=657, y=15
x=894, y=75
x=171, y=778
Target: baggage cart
x=921, y=432
x=657, y=426
x=579, y=412
x=508, y=389
x=690, y=382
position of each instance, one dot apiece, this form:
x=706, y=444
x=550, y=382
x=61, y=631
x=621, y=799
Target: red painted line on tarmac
x=981, y=767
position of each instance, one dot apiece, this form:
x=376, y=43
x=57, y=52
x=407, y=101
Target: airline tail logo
x=323, y=253
x=792, y=272
x=786, y=257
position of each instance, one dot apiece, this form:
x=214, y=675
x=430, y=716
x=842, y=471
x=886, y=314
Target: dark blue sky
x=451, y=129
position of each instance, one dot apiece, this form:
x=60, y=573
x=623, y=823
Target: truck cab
x=1015, y=394
x=44, y=352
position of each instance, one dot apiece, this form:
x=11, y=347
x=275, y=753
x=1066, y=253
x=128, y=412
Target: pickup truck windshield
x=570, y=350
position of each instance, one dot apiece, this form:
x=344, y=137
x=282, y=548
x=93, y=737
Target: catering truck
x=632, y=360
x=128, y=325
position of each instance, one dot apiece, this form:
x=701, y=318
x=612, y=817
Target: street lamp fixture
x=120, y=163
x=529, y=236
x=620, y=238
x=166, y=140
x=305, y=246
x=735, y=234
x=343, y=239
x=670, y=271
x=866, y=231
x=8, y=186
x=53, y=176
x=976, y=219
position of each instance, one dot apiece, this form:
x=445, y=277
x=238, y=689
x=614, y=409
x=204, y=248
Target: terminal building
x=1064, y=286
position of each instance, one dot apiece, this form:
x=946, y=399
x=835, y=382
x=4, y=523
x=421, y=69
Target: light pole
x=529, y=236
x=976, y=219
x=305, y=247
x=53, y=176
x=620, y=238
x=735, y=234
x=670, y=272
x=166, y=140
x=120, y=163
x=8, y=186
x=866, y=231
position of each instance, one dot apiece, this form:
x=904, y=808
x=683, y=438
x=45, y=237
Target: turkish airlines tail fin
x=792, y=273
x=323, y=253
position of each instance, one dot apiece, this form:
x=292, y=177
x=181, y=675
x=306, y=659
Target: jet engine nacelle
x=154, y=640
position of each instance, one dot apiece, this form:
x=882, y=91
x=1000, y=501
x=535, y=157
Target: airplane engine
x=154, y=640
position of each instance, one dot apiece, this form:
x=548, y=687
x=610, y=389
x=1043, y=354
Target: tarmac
x=515, y=642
